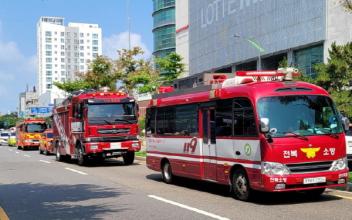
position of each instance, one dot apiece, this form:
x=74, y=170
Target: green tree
x=101, y=74
x=170, y=67
x=8, y=120
x=336, y=76
x=71, y=86
x=347, y=4
x=283, y=63
x=134, y=72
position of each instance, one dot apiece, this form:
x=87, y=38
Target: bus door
x=209, y=143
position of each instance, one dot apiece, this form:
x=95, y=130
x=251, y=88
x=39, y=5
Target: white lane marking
x=10, y=150
x=44, y=161
x=17, y=152
x=76, y=171
x=26, y=155
x=189, y=208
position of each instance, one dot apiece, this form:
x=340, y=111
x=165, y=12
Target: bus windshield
x=35, y=128
x=113, y=113
x=303, y=115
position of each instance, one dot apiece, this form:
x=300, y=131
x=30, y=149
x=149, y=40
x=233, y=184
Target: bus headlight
x=271, y=168
x=339, y=164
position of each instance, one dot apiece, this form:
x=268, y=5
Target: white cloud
x=120, y=41
x=16, y=71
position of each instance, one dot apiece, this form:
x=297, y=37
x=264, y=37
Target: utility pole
x=129, y=23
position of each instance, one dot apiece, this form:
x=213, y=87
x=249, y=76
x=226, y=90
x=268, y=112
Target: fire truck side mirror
x=264, y=125
x=345, y=123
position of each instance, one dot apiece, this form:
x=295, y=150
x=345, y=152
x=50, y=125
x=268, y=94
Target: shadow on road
x=261, y=198
x=40, y=201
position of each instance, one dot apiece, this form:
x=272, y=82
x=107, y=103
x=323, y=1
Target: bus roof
x=251, y=90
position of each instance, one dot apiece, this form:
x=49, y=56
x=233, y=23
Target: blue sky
x=18, y=20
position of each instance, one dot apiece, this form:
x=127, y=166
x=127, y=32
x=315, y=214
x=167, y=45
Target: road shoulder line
x=76, y=171
x=199, y=211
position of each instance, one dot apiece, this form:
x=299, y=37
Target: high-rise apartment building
x=64, y=51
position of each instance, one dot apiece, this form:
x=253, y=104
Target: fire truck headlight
x=339, y=164
x=88, y=139
x=271, y=168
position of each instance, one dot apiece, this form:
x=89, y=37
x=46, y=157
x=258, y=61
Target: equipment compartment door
x=209, y=143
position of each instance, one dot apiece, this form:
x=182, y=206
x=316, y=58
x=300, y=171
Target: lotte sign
x=219, y=9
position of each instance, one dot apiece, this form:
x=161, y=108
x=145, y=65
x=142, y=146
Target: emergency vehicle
x=96, y=125
x=46, y=142
x=255, y=130
x=29, y=133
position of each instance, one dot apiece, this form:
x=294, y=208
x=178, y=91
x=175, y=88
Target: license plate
x=314, y=180
x=115, y=145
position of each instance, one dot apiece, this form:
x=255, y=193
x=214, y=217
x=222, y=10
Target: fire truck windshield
x=304, y=115
x=111, y=113
x=35, y=128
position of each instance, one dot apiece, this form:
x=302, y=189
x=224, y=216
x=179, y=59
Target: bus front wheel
x=240, y=185
x=166, y=172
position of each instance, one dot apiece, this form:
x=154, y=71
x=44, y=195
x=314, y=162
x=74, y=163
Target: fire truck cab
x=96, y=125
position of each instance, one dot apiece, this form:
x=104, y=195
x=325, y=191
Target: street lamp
x=256, y=45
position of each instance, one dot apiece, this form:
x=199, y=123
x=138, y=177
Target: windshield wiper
x=295, y=135
x=125, y=120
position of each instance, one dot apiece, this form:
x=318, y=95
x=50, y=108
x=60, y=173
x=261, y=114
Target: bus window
x=150, y=121
x=224, y=118
x=244, y=122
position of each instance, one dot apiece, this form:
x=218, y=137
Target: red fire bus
x=256, y=131
x=96, y=125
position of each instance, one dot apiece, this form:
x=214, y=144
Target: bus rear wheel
x=240, y=185
x=166, y=173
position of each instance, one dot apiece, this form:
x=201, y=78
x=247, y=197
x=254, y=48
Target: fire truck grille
x=114, y=131
x=309, y=167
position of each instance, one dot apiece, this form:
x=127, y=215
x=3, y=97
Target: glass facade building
x=164, y=27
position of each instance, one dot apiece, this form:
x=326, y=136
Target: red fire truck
x=96, y=125
x=253, y=131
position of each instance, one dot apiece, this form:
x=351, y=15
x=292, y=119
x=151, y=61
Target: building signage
x=219, y=9
x=40, y=110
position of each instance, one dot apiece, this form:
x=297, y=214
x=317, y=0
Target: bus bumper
x=306, y=181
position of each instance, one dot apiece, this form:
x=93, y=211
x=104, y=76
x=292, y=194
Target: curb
x=140, y=158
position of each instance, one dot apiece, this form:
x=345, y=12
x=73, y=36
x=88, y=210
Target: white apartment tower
x=64, y=51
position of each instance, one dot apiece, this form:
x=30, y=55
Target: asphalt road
x=34, y=186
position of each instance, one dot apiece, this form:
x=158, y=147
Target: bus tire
x=128, y=158
x=58, y=155
x=81, y=158
x=166, y=172
x=240, y=185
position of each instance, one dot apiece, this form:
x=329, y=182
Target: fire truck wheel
x=240, y=185
x=40, y=151
x=58, y=155
x=81, y=158
x=166, y=173
x=46, y=153
x=128, y=158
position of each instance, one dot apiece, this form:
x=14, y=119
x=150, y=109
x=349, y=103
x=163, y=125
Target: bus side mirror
x=264, y=125
x=345, y=123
